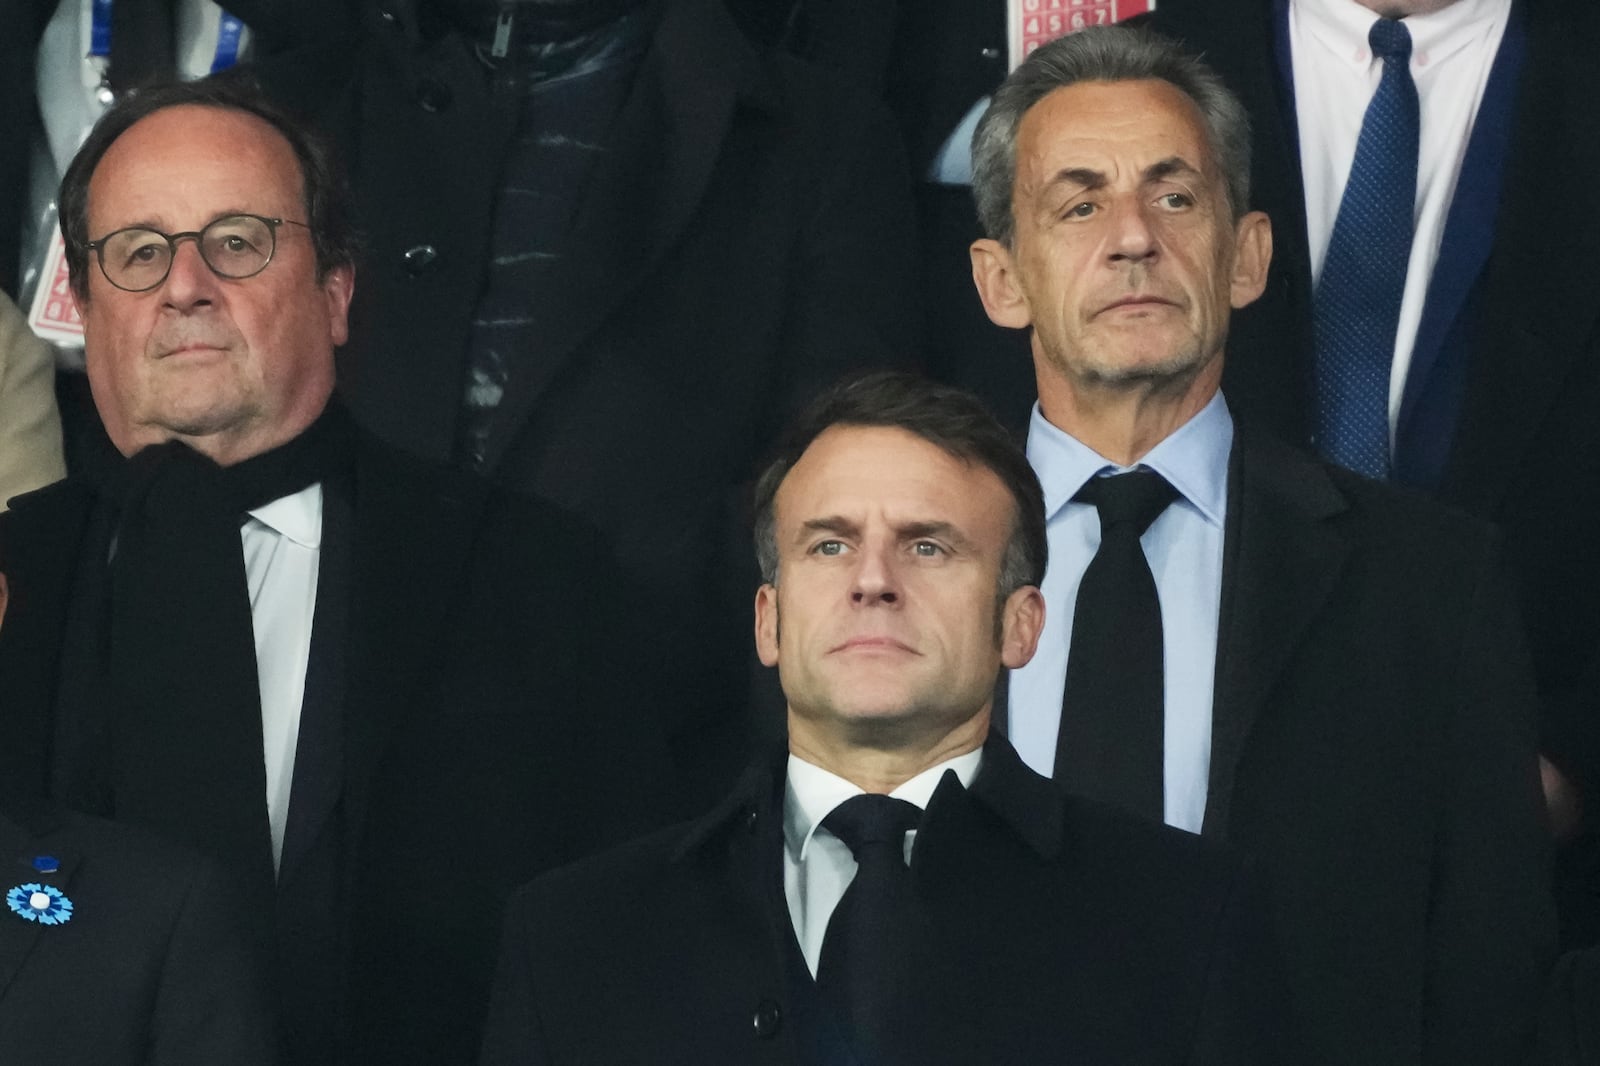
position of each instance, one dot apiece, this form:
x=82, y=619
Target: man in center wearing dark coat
x=901, y=535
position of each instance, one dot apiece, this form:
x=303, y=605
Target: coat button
x=768, y=1019
x=991, y=53
x=751, y=819
x=419, y=259
x=386, y=15
x=434, y=95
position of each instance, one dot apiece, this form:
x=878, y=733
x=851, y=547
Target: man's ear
x=994, y=272
x=1021, y=622
x=4, y=595
x=767, y=624
x=338, y=286
x=1252, y=258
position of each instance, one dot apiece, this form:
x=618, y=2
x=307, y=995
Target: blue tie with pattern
x=1364, y=275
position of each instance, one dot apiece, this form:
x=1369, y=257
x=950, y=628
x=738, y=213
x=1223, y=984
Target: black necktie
x=863, y=953
x=1109, y=745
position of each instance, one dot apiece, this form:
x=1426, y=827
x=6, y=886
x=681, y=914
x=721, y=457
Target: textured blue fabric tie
x=1364, y=274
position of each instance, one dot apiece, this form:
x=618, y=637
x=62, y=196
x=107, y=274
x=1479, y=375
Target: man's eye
x=828, y=547
x=1175, y=200
x=1080, y=210
x=146, y=253
x=927, y=549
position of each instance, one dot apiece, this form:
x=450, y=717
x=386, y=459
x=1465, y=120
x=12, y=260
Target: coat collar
x=1004, y=790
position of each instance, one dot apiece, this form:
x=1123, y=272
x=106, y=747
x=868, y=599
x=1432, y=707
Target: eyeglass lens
x=234, y=247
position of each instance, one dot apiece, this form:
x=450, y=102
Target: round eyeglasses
x=138, y=258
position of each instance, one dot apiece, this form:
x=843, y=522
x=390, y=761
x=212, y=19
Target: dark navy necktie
x=1364, y=275
x=1113, y=713
x=860, y=969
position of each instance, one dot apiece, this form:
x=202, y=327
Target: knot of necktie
x=1389, y=39
x=871, y=819
x=1132, y=500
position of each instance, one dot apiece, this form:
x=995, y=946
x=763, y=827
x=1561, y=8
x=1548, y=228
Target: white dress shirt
x=282, y=552
x=1184, y=549
x=1335, y=77
x=817, y=866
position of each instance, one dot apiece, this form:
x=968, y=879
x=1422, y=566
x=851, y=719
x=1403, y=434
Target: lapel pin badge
x=45, y=904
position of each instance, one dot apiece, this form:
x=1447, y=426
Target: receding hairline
x=1208, y=165
x=250, y=118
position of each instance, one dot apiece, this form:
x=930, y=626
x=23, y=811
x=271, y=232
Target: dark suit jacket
x=1054, y=930
x=1524, y=450
x=1570, y=1026
x=152, y=969
x=1373, y=749
x=461, y=702
x=744, y=242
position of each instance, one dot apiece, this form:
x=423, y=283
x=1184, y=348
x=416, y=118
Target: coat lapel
x=1281, y=559
x=413, y=535
x=44, y=533
x=18, y=848
x=646, y=190
x=1539, y=285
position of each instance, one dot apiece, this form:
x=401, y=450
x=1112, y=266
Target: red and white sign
x=54, y=313
x=1030, y=23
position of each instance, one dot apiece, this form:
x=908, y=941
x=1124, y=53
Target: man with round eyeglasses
x=247, y=625
x=138, y=258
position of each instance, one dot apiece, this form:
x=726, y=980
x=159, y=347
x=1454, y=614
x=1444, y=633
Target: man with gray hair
x=1242, y=641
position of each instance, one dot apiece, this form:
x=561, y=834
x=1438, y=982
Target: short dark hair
x=953, y=420
x=1103, y=53
x=327, y=198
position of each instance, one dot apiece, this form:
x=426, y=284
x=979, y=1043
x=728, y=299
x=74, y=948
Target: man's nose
x=1133, y=236
x=190, y=282
x=876, y=580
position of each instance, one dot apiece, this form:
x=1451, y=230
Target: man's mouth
x=1141, y=301
x=874, y=644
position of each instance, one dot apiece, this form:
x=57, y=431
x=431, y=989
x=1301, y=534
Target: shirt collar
x=1193, y=459
x=811, y=793
x=297, y=516
x=1342, y=27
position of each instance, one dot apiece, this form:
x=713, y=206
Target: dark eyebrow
x=942, y=530
x=831, y=524
x=1085, y=176
x=1173, y=166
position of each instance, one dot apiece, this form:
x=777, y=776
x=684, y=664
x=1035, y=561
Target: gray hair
x=1103, y=53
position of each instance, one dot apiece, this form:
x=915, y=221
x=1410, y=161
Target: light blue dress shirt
x=1184, y=549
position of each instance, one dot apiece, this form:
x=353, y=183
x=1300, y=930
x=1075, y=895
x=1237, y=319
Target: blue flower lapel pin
x=45, y=904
